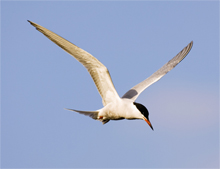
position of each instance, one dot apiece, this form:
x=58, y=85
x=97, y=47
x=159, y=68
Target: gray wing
x=135, y=91
x=97, y=70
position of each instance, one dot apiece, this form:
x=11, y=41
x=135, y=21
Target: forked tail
x=92, y=114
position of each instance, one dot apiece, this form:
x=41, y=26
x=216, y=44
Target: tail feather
x=105, y=121
x=92, y=114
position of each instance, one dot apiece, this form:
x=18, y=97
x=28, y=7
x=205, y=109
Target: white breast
x=120, y=108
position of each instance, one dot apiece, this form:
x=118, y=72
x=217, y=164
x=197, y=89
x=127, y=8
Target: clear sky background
x=132, y=39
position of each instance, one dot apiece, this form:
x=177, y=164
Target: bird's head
x=144, y=112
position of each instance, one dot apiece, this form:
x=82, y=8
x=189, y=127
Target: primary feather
x=96, y=69
x=135, y=91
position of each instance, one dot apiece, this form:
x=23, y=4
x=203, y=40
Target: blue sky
x=132, y=39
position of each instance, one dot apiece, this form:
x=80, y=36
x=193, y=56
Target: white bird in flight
x=115, y=108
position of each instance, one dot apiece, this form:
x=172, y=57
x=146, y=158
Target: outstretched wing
x=97, y=70
x=135, y=91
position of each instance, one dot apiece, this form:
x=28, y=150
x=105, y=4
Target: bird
x=114, y=106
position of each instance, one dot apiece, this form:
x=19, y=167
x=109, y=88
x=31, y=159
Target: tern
x=115, y=107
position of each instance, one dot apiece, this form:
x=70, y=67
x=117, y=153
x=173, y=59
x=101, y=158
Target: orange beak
x=148, y=122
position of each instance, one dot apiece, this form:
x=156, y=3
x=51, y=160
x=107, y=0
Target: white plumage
x=115, y=108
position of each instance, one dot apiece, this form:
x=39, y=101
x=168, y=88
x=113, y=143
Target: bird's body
x=120, y=109
x=115, y=108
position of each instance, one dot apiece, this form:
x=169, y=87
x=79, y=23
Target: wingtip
x=32, y=23
x=29, y=21
x=68, y=109
x=191, y=44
